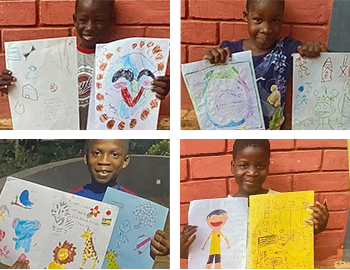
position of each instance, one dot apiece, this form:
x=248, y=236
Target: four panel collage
x=80, y=78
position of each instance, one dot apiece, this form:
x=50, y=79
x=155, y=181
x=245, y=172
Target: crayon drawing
x=279, y=235
x=89, y=249
x=221, y=233
x=112, y=260
x=138, y=220
x=321, y=98
x=215, y=220
x=4, y=212
x=41, y=67
x=225, y=96
x=24, y=201
x=62, y=255
x=51, y=227
x=24, y=230
x=121, y=96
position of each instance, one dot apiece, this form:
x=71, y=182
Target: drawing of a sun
x=64, y=253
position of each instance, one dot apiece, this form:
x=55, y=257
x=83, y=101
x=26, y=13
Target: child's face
x=92, y=21
x=264, y=22
x=105, y=159
x=250, y=168
x=216, y=222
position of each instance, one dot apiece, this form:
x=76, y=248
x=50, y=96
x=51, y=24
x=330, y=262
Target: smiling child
x=250, y=167
x=93, y=20
x=272, y=56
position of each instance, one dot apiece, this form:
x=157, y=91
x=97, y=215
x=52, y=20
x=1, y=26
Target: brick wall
x=206, y=23
x=319, y=165
x=36, y=19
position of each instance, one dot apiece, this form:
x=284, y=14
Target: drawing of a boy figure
x=216, y=220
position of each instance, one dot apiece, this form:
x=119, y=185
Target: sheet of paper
x=279, y=236
x=225, y=96
x=222, y=230
x=121, y=96
x=137, y=222
x=53, y=229
x=321, y=92
x=45, y=95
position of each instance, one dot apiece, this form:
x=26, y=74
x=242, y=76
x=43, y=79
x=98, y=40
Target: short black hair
x=241, y=144
x=217, y=212
x=88, y=141
x=250, y=3
x=110, y=7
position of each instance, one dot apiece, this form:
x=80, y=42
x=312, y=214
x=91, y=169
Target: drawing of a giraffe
x=89, y=250
x=112, y=262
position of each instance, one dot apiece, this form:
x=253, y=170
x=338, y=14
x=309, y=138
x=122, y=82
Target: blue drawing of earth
x=230, y=102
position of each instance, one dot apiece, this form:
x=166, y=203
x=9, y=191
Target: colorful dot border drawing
x=138, y=101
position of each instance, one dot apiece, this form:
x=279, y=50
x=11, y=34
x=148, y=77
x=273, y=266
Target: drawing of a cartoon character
x=216, y=220
x=24, y=230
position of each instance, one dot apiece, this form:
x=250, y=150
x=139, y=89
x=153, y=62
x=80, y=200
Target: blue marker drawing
x=31, y=73
x=24, y=230
x=301, y=89
x=24, y=198
x=13, y=54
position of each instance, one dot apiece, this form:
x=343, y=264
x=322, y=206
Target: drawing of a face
x=92, y=20
x=264, y=23
x=216, y=221
x=125, y=226
x=250, y=168
x=105, y=159
x=323, y=110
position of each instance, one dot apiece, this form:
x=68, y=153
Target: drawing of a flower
x=93, y=212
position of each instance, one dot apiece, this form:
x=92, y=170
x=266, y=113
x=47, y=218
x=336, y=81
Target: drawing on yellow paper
x=279, y=236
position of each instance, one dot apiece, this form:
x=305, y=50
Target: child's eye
x=257, y=20
x=243, y=166
x=96, y=153
x=114, y=154
x=261, y=166
x=276, y=21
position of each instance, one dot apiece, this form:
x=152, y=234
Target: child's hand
x=161, y=86
x=187, y=237
x=21, y=264
x=160, y=244
x=319, y=216
x=218, y=55
x=311, y=49
x=6, y=80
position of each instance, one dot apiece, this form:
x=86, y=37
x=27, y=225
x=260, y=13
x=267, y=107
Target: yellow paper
x=279, y=236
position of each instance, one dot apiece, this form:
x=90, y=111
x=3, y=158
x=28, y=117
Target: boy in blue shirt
x=93, y=20
x=105, y=159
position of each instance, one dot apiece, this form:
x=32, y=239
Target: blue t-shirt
x=272, y=71
x=88, y=192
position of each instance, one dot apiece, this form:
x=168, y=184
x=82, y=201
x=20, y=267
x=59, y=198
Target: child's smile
x=250, y=168
x=264, y=25
x=92, y=21
x=106, y=158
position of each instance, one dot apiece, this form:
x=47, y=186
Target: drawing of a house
x=29, y=92
x=327, y=71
